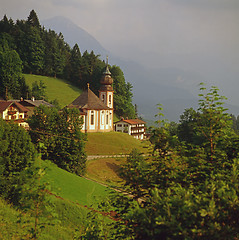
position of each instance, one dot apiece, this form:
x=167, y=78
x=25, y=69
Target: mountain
x=74, y=34
x=174, y=88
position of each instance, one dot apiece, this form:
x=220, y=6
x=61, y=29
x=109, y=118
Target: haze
x=195, y=36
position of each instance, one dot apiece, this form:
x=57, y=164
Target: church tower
x=106, y=90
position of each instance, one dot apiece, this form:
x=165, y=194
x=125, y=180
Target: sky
x=200, y=36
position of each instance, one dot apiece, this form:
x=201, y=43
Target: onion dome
x=106, y=80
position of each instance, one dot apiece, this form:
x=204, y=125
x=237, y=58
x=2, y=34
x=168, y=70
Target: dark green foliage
x=33, y=19
x=38, y=90
x=192, y=181
x=122, y=94
x=59, y=138
x=10, y=71
x=17, y=155
x=136, y=174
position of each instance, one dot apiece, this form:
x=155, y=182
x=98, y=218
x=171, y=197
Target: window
x=92, y=118
x=119, y=125
x=103, y=98
x=107, y=119
x=102, y=117
x=109, y=99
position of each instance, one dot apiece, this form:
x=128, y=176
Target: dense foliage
x=33, y=49
x=189, y=189
x=59, y=138
x=17, y=156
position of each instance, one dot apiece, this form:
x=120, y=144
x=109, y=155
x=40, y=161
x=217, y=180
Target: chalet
x=133, y=127
x=32, y=104
x=13, y=110
x=97, y=112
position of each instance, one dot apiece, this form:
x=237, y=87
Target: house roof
x=132, y=121
x=88, y=100
x=37, y=103
x=5, y=104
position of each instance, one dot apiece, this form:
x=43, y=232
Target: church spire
x=106, y=89
x=106, y=80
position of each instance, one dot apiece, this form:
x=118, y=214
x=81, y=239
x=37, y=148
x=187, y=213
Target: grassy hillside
x=72, y=187
x=56, y=88
x=105, y=170
x=113, y=143
x=69, y=208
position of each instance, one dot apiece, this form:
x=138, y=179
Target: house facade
x=14, y=111
x=97, y=112
x=133, y=127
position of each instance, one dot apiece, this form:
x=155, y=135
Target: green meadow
x=56, y=88
x=112, y=143
x=72, y=187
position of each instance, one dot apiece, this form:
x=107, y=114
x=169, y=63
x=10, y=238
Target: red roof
x=5, y=104
x=132, y=121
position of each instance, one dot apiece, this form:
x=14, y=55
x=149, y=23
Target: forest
x=27, y=47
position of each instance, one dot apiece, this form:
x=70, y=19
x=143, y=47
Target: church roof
x=88, y=100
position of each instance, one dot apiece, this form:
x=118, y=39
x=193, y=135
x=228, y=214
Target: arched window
x=102, y=117
x=109, y=99
x=92, y=117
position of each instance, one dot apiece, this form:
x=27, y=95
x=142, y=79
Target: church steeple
x=106, y=89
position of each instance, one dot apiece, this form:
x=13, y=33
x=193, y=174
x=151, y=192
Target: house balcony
x=11, y=112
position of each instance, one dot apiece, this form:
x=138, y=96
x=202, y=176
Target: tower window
x=110, y=99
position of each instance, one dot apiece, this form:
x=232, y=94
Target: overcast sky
x=186, y=34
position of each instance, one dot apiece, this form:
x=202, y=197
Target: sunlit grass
x=56, y=88
x=113, y=143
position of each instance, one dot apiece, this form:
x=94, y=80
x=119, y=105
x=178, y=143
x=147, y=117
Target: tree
x=39, y=90
x=59, y=138
x=122, y=94
x=17, y=156
x=35, y=51
x=33, y=19
x=10, y=72
x=76, y=65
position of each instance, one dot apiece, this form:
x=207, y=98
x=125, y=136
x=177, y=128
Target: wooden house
x=14, y=111
x=133, y=127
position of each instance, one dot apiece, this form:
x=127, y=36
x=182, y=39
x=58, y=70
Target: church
x=97, y=112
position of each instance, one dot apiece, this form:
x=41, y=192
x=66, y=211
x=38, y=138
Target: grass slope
x=72, y=187
x=105, y=170
x=56, y=88
x=113, y=143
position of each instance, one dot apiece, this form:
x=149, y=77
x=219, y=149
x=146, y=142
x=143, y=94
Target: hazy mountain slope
x=175, y=88
x=74, y=34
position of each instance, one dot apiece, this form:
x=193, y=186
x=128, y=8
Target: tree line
x=27, y=47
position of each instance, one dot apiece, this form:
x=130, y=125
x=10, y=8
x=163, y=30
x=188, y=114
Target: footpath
x=91, y=157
